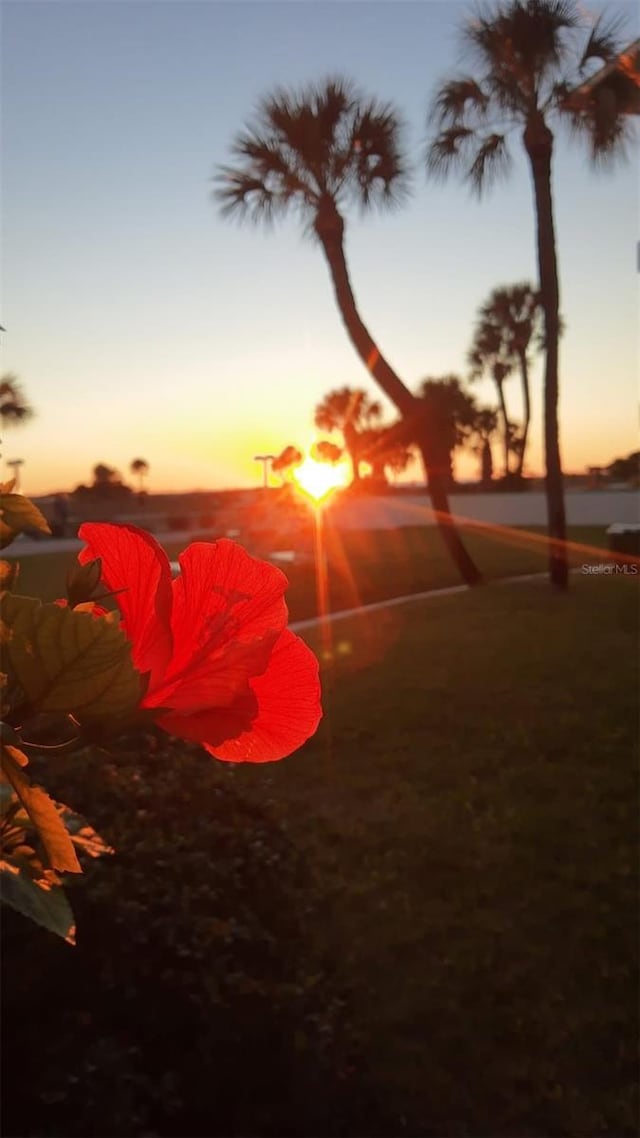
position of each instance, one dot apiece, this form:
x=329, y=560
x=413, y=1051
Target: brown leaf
x=19, y=514
x=42, y=812
x=8, y=574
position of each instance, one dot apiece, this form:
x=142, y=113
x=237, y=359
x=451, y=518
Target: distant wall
x=584, y=508
x=259, y=511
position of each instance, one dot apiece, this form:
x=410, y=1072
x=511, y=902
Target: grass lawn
x=470, y=804
x=465, y=823
x=365, y=566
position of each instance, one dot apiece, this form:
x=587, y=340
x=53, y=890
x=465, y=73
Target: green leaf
x=42, y=900
x=18, y=514
x=44, y=816
x=67, y=661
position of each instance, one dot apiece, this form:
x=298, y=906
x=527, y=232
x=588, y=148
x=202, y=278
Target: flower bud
x=82, y=582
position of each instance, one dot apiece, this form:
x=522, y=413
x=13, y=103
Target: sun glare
x=318, y=479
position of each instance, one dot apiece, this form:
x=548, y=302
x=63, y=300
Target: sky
x=143, y=324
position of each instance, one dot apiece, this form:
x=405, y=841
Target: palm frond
x=490, y=351
x=279, y=167
x=531, y=57
x=244, y=197
x=321, y=142
x=448, y=150
x=454, y=98
x=604, y=126
x=518, y=32
x=14, y=406
x=604, y=42
x=491, y=161
x=509, y=320
x=476, y=362
x=313, y=124
x=347, y=406
x=379, y=174
x=520, y=45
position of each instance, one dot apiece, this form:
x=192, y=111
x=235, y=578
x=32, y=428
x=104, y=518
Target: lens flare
x=318, y=479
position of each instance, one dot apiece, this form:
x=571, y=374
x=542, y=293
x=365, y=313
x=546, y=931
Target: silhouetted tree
x=140, y=468
x=530, y=55
x=14, y=406
x=626, y=469
x=285, y=463
x=451, y=417
x=485, y=425
x=488, y=353
x=515, y=313
x=107, y=483
x=326, y=451
x=516, y=443
x=351, y=412
x=313, y=154
x=381, y=450
x=104, y=475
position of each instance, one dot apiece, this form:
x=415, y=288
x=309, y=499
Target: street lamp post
x=15, y=464
x=265, y=459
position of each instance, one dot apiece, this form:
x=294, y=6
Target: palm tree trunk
x=331, y=238
x=440, y=503
x=526, y=400
x=486, y=464
x=506, y=425
x=351, y=446
x=538, y=142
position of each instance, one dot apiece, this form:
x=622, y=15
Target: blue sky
x=143, y=324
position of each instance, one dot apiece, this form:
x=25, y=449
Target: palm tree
x=313, y=154
x=14, y=406
x=326, y=451
x=284, y=463
x=488, y=352
x=383, y=452
x=452, y=414
x=515, y=312
x=484, y=426
x=531, y=54
x=140, y=468
x=351, y=412
x=104, y=475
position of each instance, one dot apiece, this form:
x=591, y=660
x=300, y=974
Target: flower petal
x=222, y=594
x=215, y=678
x=133, y=561
x=279, y=712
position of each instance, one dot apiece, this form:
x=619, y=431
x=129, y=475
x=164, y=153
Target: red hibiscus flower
x=223, y=668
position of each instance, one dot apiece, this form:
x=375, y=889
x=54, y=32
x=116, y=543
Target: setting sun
x=318, y=479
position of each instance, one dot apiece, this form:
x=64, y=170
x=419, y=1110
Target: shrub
x=193, y=1003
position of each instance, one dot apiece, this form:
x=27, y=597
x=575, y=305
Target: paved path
x=429, y=594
